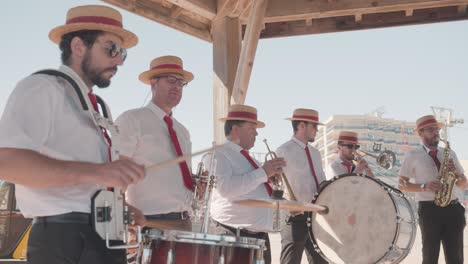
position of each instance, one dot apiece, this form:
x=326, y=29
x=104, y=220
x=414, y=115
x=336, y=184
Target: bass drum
x=368, y=221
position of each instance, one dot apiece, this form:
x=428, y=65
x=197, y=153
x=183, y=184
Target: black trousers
x=294, y=239
x=442, y=224
x=61, y=243
x=228, y=230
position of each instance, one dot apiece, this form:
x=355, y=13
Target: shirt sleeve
x=127, y=138
x=230, y=185
x=29, y=113
x=406, y=169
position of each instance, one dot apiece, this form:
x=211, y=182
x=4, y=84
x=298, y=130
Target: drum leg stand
x=171, y=255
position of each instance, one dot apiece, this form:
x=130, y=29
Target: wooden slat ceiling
x=296, y=17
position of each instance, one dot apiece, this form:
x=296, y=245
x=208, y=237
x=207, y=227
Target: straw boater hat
x=308, y=115
x=165, y=64
x=243, y=113
x=348, y=137
x=427, y=121
x=94, y=17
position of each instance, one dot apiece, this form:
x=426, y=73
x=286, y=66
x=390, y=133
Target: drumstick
x=177, y=160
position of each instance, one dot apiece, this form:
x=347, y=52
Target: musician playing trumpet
x=348, y=161
x=304, y=172
x=239, y=176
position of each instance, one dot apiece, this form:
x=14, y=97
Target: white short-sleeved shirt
x=236, y=179
x=43, y=114
x=336, y=168
x=144, y=137
x=419, y=166
x=298, y=169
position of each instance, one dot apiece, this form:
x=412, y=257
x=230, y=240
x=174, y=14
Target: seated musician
x=150, y=135
x=345, y=163
x=239, y=176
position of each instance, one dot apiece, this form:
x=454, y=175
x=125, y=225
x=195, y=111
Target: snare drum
x=170, y=246
x=368, y=221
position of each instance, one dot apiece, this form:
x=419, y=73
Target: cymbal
x=283, y=204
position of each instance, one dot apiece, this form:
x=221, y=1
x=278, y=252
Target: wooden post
x=249, y=48
x=226, y=34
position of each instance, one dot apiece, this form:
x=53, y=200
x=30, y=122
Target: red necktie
x=93, y=99
x=433, y=154
x=187, y=176
x=252, y=162
x=311, y=165
x=348, y=166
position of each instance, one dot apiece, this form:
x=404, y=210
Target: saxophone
x=448, y=179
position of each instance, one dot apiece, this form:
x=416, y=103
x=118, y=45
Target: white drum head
x=361, y=224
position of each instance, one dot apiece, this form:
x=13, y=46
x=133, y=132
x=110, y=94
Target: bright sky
x=405, y=69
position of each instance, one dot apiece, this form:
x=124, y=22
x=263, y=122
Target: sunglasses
x=113, y=50
x=351, y=146
x=174, y=80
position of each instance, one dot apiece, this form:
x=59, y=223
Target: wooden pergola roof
x=296, y=17
x=235, y=27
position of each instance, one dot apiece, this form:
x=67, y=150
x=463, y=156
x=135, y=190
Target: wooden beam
x=161, y=15
x=175, y=11
x=226, y=51
x=204, y=8
x=369, y=21
x=291, y=10
x=249, y=48
x=462, y=9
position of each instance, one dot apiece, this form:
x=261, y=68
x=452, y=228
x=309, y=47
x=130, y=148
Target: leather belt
x=234, y=230
x=452, y=202
x=68, y=218
x=170, y=216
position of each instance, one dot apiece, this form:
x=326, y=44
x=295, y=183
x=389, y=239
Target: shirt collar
x=157, y=110
x=300, y=143
x=428, y=149
x=234, y=146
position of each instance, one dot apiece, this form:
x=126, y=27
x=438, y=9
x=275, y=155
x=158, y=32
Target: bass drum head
x=361, y=224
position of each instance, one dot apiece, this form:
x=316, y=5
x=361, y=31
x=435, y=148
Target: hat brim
x=439, y=125
x=305, y=120
x=348, y=142
x=260, y=124
x=128, y=38
x=146, y=76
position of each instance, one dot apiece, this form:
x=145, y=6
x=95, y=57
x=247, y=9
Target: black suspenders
x=77, y=90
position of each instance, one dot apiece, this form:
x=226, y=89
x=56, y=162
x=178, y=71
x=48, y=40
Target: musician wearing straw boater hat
x=240, y=176
x=305, y=173
x=152, y=134
x=419, y=173
x=56, y=147
x=348, y=161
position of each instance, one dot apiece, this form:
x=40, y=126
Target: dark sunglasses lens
x=116, y=50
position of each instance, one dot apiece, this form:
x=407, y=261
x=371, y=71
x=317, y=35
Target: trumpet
x=386, y=159
x=282, y=178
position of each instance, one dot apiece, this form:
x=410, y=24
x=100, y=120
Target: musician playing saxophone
x=305, y=173
x=437, y=223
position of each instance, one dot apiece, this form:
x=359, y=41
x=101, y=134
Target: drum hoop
x=205, y=239
x=388, y=188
